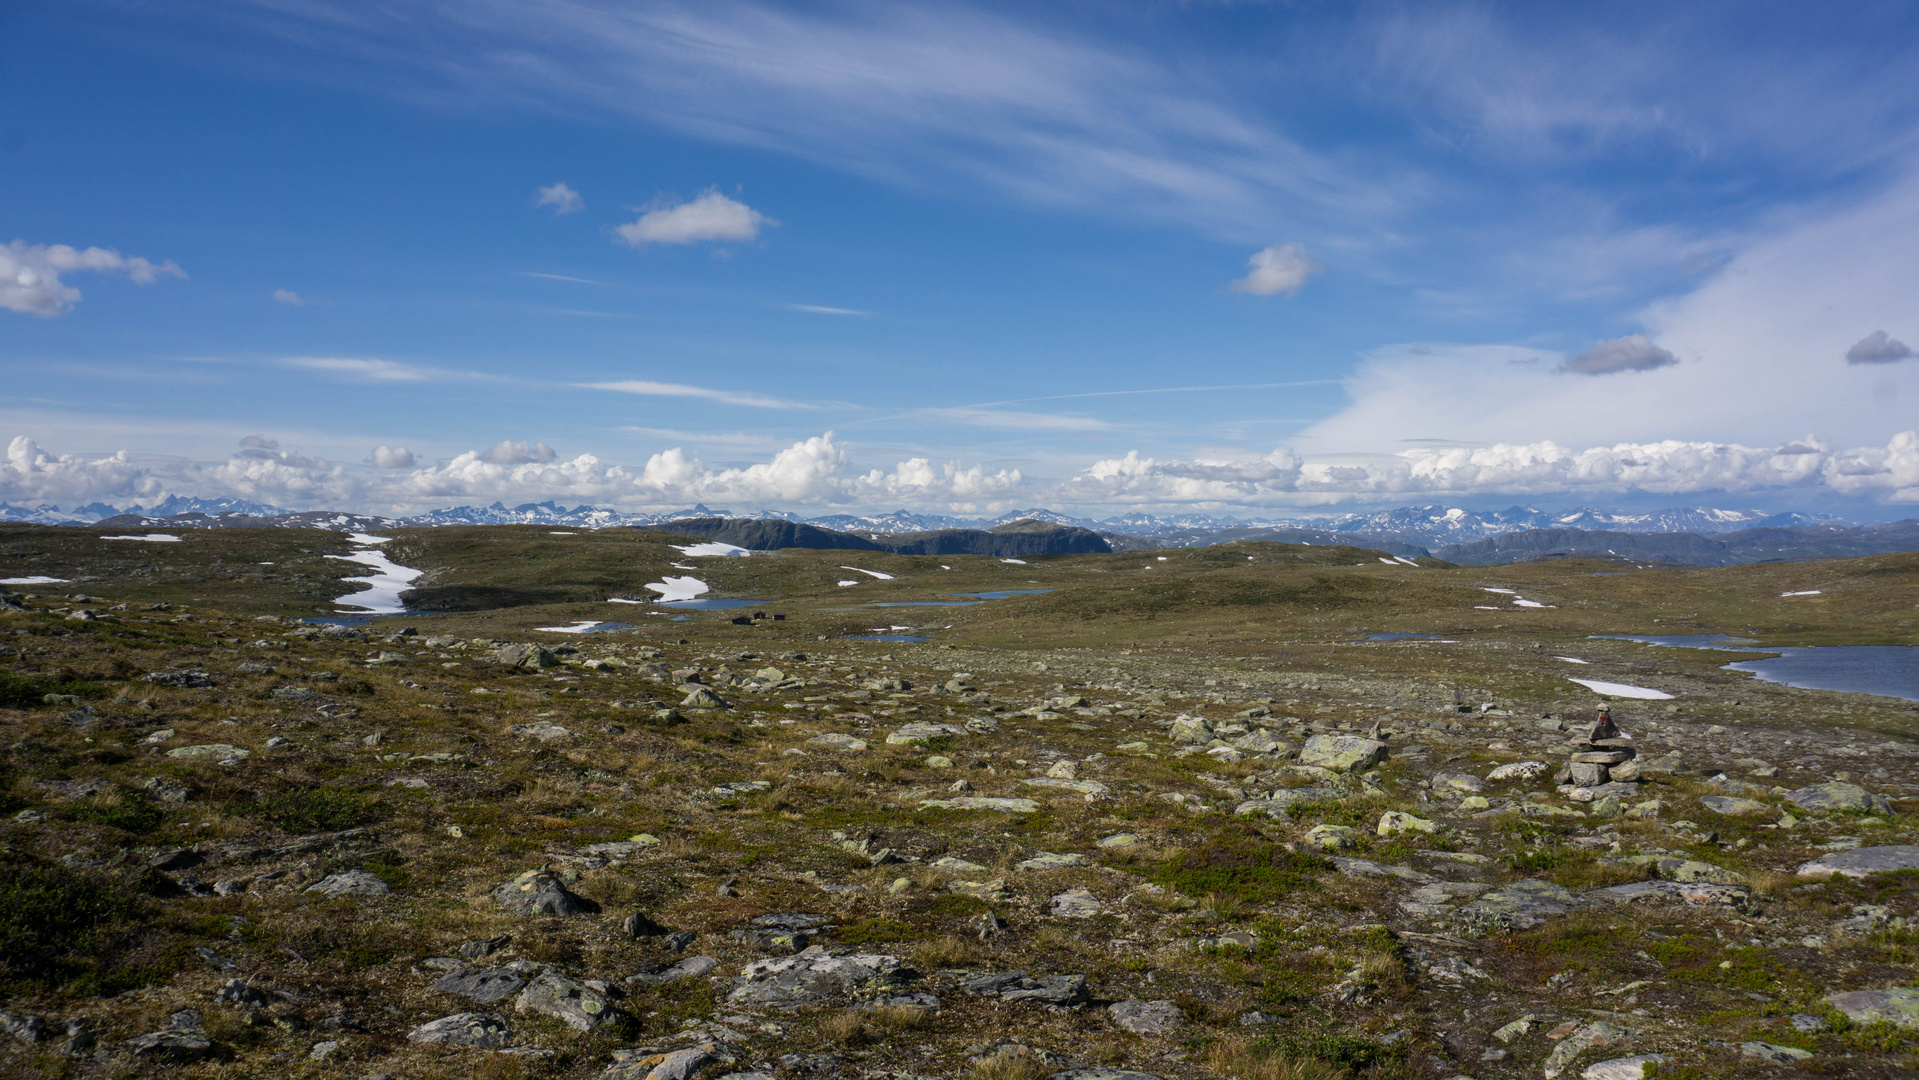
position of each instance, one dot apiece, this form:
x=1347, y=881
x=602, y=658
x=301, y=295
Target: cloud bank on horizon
x=1366, y=253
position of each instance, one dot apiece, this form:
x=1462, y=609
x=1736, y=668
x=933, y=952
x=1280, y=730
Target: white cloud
x=288, y=296
x=518, y=452
x=816, y=309
x=30, y=274
x=662, y=389
x=1015, y=420
x=564, y=200
x=1878, y=348
x=712, y=216
x=1277, y=270
x=1669, y=467
x=1634, y=352
x=390, y=457
x=378, y=370
x=259, y=446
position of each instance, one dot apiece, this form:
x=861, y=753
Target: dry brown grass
x=1772, y=883
x=944, y=952
x=858, y=1027
x=1241, y=1058
x=1011, y=1065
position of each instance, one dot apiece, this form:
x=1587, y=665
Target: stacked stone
x=1604, y=764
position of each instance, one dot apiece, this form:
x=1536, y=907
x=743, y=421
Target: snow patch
x=1572, y=659
x=870, y=573
x=843, y=584
x=1505, y=592
x=580, y=627
x=677, y=588
x=388, y=580
x=1015, y=562
x=1529, y=603
x=1807, y=592
x=37, y=579
x=1613, y=689
x=715, y=548
x=158, y=538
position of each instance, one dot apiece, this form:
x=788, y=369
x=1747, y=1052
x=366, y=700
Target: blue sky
x=1248, y=258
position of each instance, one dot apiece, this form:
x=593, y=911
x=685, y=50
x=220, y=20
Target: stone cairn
x=1604, y=764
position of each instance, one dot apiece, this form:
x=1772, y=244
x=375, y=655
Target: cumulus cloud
x=1878, y=348
x=390, y=457
x=564, y=200
x=30, y=274
x=662, y=389
x=712, y=216
x=288, y=296
x=518, y=452
x=1276, y=271
x=259, y=446
x=1667, y=467
x=1634, y=352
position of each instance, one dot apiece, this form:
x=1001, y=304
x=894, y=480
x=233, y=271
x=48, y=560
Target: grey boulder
x=1147, y=1017
x=1521, y=905
x=349, y=883
x=1862, y=861
x=813, y=976
x=536, y=892
x=480, y=1031
x=573, y=1003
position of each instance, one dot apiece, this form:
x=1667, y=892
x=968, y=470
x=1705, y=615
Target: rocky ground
x=241, y=845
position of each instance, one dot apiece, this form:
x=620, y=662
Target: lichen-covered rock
x=836, y=741
x=526, y=656
x=1597, y=1033
x=1521, y=904
x=481, y=984
x=480, y=1031
x=702, y=698
x=1836, y=795
x=572, y=1003
x=1191, y=729
x=981, y=802
x=1332, y=837
x=1859, y=862
x=1147, y=1017
x=350, y=883
x=920, y=733
x=814, y=977
x=1060, y=991
x=536, y=892
x=1731, y=806
x=1342, y=753
x=1394, y=822
x=1624, y=1068
x=1898, y=1006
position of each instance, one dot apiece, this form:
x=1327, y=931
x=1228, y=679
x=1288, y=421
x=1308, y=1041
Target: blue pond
x=928, y=603
x=1003, y=593
x=1886, y=670
x=884, y=637
x=362, y=620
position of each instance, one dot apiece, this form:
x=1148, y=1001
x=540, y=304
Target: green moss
x=1243, y=868
x=871, y=931
x=60, y=926
x=319, y=810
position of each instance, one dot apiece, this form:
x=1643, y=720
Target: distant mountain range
x=1702, y=535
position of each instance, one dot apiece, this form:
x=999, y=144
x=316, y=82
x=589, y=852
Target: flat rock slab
x=216, y=751
x=572, y=1003
x=1101, y=1074
x=350, y=883
x=1088, y=788
x=1366, y=868
x=1047, y=860
x=171, y=1044
x=1061, y=991
x=1898, y=1006
x=1522, y=904
x=483, y=985
x=836, y=741
x=920, y=733
x=1831, y=796
x=483, y=1031
x=1691, y=893
x=1733, y=807
x=812, y=977
x=1279, y=803
x=1625, y=1068
x=1147, y=1017
x=1862, y=861
x=1774, y=1053
x=1076, y=904
x=981, y=802
x=543, y=730
x=1342, y=753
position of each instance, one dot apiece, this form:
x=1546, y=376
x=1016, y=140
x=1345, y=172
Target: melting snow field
x=715, y=548
x=677, y=588
x=158, y=538
x=1613, y=689
x=1529, y=603
x=37, y=579
x=585, y=626
x=1572, y=659
x=1015, y=562
x=844, y=584
x=871, y=573
x=1808, y=592
x=388, y=580
x=1508, y=592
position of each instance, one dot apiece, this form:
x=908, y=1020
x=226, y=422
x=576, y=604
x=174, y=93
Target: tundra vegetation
x=1176, y=817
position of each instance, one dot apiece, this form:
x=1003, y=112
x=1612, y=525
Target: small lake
x=1886, y=670
x=1002, y=594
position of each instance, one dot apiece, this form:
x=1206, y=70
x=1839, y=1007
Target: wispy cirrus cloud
x=1014, y=420
x=820, y=309
x=373, y=370
x=649, y=388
